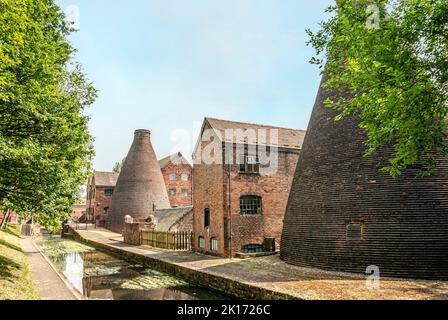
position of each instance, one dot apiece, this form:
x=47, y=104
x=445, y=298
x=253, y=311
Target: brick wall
x=208, y=192
x=274, y=191
x=13, y=217
x=78, y=211
x=97, y=203
x=179, y=200
x=219, y=188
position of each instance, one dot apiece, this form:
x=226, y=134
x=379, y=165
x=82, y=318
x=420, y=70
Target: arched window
x=201, y=242
x=250, y=205
x=214, y=244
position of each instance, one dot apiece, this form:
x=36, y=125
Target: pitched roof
x=287, y=138
x=176, y=158
x=106, y=179
x=166, y=218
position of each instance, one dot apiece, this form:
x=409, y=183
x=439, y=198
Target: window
x=202, y=242
x=173, y=177
x=214, y=244
x=109, y=192
x=185, y=177
x=106, y=210
x=250, y=205
x=172, y=192
x=354, y=231
x=185, y=192
x=207, y=218
x=252, y=248
x=249, y=164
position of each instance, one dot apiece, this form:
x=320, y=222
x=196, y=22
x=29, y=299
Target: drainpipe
x=230, y=204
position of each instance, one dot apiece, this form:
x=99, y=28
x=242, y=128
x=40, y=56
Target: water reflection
x=101, y=276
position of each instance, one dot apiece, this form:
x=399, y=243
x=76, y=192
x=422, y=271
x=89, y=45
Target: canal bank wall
x=204, y=278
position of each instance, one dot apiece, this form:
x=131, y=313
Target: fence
x=181, y=240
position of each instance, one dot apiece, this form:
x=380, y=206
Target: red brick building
x=242, y=178
x=12, y=219
x=78, y=211
x=177, y=173
x=100, y=189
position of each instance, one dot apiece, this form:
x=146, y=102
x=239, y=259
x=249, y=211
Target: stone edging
x=64, y=279
x=239, y=290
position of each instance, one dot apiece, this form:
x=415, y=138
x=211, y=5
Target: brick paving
x=273, y=274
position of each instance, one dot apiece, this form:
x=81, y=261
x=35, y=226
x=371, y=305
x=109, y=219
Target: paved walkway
x=48, y=283
x=273, y=274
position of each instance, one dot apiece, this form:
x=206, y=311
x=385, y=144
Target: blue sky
x=164, y=65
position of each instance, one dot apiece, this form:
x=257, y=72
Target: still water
x=98, y=275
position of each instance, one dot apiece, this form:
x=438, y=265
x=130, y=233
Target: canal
x=100, y=276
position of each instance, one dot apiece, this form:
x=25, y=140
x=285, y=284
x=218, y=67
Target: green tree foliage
x=118, y=166
x=45, y=146
x=391, y=57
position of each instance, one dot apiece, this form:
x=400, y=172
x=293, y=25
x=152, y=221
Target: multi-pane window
x=109, y=192
x=250, y=205
x=184, y=192
x=184, y=177
x=172, y=192
x=249, y=164
x=207, y=218
x=252, y=248
x=202, y=242
x=214, y=244
x=172, y=177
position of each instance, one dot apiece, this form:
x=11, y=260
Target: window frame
x=353, y=224
x=201, y=240
x=172, y=192
x=249, y=167
x=185, y=177
x=172, y=176
x=257, y=248
x=109, y=192
x=207, y=218
x=251, y=211
x=213, y=244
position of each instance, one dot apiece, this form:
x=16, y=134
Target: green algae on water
x=57, y=247
x=152, y=279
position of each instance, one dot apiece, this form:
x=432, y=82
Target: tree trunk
x=4, y=222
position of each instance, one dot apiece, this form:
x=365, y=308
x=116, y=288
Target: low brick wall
x=131, y=233
x=228, y=286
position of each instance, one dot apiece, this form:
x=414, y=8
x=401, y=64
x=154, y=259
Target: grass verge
x=15, y=283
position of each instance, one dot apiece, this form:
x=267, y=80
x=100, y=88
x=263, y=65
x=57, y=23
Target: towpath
x=48, y=283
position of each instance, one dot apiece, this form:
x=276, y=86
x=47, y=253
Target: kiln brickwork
x=343, y=215
x=218, y=189
x=140, y=187
x=177, y=174
x=100, y=189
